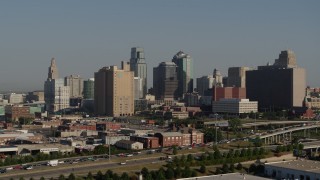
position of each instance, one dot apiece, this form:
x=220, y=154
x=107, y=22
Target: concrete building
x=234, y=106
x=113, y=138
x=184, y=73
x=139, y=67
x=228, y=93
x=165, y=82
x=192, y=99
x=75, y=83
x=88, y=89
x=204, y=83
x=278, y=86
x=218, y=79
x=14, y=98
x=56, y=94
x=138, y=88
x=114, y=91
x=297, y=169
x=35, y=96
x=131, y=145
x=237, y=76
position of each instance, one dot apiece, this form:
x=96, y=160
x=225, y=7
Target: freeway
x=265, y=123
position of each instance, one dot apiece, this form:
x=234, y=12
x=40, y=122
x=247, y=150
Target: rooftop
x=233, y=176
x=301, y=165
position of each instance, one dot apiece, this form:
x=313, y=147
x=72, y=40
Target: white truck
x=52, y=163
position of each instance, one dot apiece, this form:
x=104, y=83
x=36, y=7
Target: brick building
x=228, y=93
x=107, y=126
x=148, y=142
x=16, y=112
x=167, y=139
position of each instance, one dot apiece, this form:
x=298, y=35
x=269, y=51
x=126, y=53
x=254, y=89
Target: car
x=61, y=162
x=28, y=167
x=123, y=163
x=9, y=168
x=129, y=155
x=17, y=167
x=3, y=171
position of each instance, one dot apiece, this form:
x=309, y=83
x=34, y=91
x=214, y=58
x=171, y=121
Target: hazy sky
x=84, y=36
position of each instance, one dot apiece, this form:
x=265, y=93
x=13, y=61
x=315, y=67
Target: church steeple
x=53, y=71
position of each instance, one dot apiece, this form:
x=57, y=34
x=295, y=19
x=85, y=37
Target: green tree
x=169, y=173
x=174, y=150
x=257, y=142
x=239, y=166
x=194, y=173
x=235, y=124
x=148, y=177
x=42, y=178
x=210, y=134
x=186, y=172
x=203, y=169
x=160, y=175
x=124, y=176
x=61, y=177
x=21, y=178
x=144, y=171
x=71, y=177
x=100, y=176
x=100, y=149
x=231, y=168
x=90, y=176
x=177, y=172
x=225, y=168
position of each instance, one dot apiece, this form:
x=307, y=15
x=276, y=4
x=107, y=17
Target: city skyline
x=217, y=35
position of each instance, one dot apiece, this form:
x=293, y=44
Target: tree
x=203, y=169
x=225, y=168
x=174, y=150
x=42, y=178
x=234, y=124
x=186, y=172
x=71, y=177
x=144, y=171
x=194, y=173
x=21, y=178
x=239, y=166
x=210, y=135
x=148, y=177
x=257, y=142
x=124, y=176
x=160, y=175
x=100, y=149
x=100, y=176
x=61, y=177
x=169, y=173
x=231, y=168
x=90, y=176
x=177, y=172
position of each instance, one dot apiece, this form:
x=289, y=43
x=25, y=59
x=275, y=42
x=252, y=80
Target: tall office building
x=138, y=88
x=278, y=86
x=237, y=76
x=165, y=82
x=139, y=67
x=184, y=72
x=53, y=70
x=113, y=91
x=218, y=79
x=204, y=83
x=56, y=94
x=75, y=82
x=88, y=89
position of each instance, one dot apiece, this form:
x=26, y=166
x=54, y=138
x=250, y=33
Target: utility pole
x=215, y=115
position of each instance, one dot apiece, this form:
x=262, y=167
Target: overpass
x=265, y=123
x=281, y=135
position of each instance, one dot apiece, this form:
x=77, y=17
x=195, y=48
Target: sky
x=84, y=36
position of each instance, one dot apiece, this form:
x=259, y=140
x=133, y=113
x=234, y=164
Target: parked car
x=123, y=163
x=3, y=171
x=9, y=168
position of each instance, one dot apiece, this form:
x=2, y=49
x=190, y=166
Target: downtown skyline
x=84, y=37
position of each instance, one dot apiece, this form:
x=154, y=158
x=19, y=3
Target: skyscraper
x=113, y=91
x=88, y=89
x=56, y=94
x=139, y=67
x=204, y=83
x=165, y=82
x=237, y=76
x=184, y=72
x=53, y=70
x=218, y=79
x=278, y=86
x=75, y=82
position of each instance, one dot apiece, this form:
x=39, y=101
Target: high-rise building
x=278, y=86
x=56, y=94
x=204, y=83
x=237, y=76
x=88, y=89
x=165, y=82
x=184, y=72
x=138, y=88
x=139, y=67
x=75, y=82
x=218, y=79
x=53, y=70
x=113, y=91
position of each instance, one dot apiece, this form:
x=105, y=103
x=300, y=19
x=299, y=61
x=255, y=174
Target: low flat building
x=234, y=106
x=297, y=169
x=131, y=145
x=230, y=176
x=148, y=142
x=32, y=149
